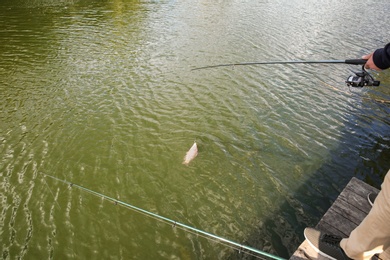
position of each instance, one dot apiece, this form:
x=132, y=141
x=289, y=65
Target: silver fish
x=191, y=154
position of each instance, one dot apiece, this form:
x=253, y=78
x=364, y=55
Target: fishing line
x=51, y=193
x=382, y=101
x=239, y=247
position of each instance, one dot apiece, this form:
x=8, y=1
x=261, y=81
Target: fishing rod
x=350, y=61
x=360, y=79
x=241, y=248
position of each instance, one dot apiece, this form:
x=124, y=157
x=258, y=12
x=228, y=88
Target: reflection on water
x=102, y=94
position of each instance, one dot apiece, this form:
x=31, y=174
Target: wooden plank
x=353, y=214
x=306, y=252
x=346, y=213
x=356, y=197
x=326, y=227
x=338, y=221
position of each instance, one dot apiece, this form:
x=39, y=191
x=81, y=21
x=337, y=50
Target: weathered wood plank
x=338, y=221
x=356, y=197
x=346, y=213
x=326, y=227
x=350, y=212
x=306, y=252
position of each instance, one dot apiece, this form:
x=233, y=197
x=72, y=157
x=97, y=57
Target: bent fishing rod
x=360, y=79
x=234, y=245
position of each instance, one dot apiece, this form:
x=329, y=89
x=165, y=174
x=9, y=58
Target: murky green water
x=101, y=93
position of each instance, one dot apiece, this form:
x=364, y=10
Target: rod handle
x=356, y=61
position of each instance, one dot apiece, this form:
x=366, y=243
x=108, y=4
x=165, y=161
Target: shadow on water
x=364, y=152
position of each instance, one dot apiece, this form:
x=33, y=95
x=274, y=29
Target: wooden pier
x=349, y=209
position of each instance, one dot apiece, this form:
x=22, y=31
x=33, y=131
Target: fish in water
x=191, y=154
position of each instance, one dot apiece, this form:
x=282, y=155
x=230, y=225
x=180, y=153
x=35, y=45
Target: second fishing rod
x=360, y=79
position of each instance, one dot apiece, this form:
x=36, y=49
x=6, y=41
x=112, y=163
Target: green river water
x=101, y=94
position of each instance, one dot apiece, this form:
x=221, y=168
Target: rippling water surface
x=101, y=94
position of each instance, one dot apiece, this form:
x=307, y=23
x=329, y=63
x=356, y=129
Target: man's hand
x=370, y=63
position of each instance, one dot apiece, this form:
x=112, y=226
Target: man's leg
x=372, y=236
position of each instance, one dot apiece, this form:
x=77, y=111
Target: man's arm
x=379, y=59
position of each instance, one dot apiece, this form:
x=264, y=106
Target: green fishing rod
x=241, y=248
x=360, y=79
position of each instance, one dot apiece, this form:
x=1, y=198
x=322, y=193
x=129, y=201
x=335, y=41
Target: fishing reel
x=362, y=79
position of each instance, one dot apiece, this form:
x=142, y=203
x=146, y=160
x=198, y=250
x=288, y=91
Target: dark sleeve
x=381, y=57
